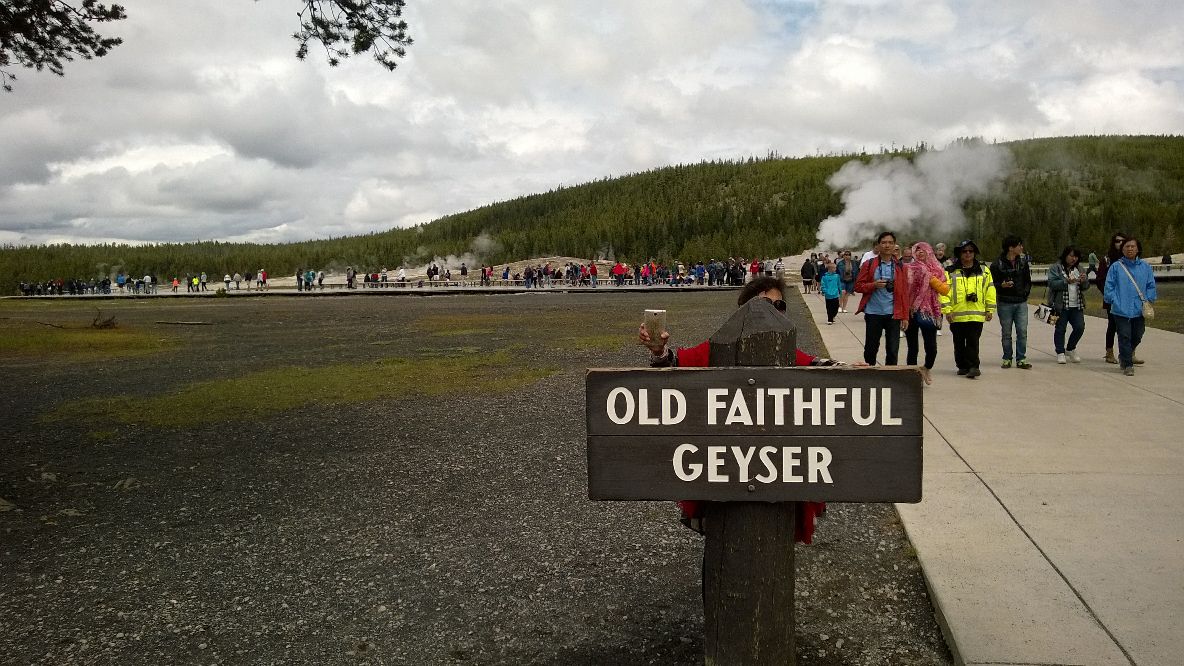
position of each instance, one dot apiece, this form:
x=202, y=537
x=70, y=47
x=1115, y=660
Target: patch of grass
x=293, y=387
x=82, y=343
x=444, y=332
x=602, y=341
x=463, y=324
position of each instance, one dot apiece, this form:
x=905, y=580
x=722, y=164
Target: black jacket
x=1018, y=272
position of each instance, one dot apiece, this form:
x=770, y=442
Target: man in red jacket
x=697, y=357
x=885, y=305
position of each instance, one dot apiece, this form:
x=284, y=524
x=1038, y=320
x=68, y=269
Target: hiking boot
x=1062, y=359
x=1074, y=356
x=1129, y=371
x=974, y=372
x=1136, y=360
x=1109, y=358
x=963, y=371
x=1023, y=364
x=1005, y=364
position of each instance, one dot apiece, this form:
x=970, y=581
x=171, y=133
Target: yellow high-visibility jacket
x=954, y=304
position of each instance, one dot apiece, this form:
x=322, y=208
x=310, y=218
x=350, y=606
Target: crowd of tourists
x=912, y=290
x=734, y=271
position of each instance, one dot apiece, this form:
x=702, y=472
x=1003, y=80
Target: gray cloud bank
x=202, y=125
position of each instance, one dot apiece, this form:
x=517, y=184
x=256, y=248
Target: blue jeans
x=875, y=325
x=1130, y=334
x=1017, y=314
x=1069, y=316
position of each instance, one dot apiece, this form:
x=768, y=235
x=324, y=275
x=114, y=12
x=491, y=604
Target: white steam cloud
x=924, y=196
x=480, y=247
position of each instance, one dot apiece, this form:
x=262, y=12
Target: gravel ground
x=409, y=527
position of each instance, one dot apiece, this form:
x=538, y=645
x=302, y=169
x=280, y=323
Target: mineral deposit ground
x=372, y=480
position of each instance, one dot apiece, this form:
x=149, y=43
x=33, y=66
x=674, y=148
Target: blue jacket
x=1120, y=293
x=830, y=285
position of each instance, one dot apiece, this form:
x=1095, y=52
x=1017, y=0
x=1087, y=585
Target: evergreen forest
x=1060, y=190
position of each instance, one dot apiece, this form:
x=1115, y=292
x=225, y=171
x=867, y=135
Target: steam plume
x=924, y=196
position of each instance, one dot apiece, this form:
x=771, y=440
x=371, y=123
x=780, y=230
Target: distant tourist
x=1113, y=254
x=847, y=269
x=809, y=272
x=830, y=287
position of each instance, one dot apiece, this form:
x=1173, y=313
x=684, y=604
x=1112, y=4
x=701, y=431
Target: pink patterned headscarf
x=924, y=267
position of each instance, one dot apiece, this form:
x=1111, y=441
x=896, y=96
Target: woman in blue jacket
x=1129, y=282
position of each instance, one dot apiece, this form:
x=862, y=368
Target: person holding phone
x=1013, y=284
x=663, y=356
x=1067, y=284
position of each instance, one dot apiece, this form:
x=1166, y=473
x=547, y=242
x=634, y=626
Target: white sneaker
x=1061, y=359
x=939, y=331
x=1074, y=356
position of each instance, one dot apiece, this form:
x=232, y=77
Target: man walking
x=1013, y=283
x=883, y=281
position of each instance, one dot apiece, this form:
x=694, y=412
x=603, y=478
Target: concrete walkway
x=1052, y=525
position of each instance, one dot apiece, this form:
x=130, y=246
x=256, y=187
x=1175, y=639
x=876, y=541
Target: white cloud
x=202, y=124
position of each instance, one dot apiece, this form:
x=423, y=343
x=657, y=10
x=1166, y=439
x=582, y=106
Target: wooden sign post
x=752, y=436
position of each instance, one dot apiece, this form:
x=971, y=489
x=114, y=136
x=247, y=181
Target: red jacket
x=865, y=283
x=803, y=525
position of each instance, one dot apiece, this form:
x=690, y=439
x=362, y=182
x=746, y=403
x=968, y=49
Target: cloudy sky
x=203, y=125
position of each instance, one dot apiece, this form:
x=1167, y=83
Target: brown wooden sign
x=760, y=434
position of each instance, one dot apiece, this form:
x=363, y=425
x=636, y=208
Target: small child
x=829, y=286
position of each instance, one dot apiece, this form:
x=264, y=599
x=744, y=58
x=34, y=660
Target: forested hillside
x=1072, y=189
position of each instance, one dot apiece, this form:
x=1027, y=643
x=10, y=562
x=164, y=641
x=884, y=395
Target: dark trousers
x=832, y=308
x=966, y=335
x=875, y=325
x=1130, y=334
x=928, y=333
x=1111, y=330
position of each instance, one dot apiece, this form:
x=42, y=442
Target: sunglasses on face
x=779, y=304
x=968, y=251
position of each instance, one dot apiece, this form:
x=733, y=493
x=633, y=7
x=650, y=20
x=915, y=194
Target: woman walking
x=927, y=281
x=847, y=269
x=1067, y=283
x=1113, y=254
x=969, y=304
x=1129, y=283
